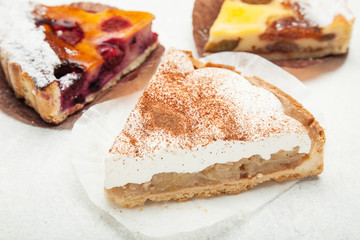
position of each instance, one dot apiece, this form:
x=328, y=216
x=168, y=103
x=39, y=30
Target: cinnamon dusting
x=188, y=108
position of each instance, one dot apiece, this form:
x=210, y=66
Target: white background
x=41, y=197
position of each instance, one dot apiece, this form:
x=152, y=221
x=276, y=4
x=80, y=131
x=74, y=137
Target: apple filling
x=251, y=167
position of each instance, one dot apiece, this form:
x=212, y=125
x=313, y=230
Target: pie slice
x=281, y=29
x=202, y=130
x=61, y=57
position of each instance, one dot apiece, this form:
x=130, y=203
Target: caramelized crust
x=86, y=52
x=291, y=28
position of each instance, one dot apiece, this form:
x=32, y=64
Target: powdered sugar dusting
x=67, y=80
x=321, y=13
x=24, y=42
x=188, y=108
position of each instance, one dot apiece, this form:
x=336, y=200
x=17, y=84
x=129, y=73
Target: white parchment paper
x=94, y=133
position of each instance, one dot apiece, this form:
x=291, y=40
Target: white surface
x=41, y=198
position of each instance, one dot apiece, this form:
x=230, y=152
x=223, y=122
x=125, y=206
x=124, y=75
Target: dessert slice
x=62, y=57
x=203, y=130
x=282, y=29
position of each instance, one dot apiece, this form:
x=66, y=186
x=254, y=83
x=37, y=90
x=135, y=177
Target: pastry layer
x=282, y=29
x=193, y=116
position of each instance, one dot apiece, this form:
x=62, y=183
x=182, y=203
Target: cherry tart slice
x=95, y=45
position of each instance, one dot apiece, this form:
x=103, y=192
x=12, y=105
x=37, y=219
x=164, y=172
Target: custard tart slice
x=281, y=29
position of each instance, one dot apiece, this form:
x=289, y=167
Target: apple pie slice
x=203, y=130
x=282, y=29
x=58, y=58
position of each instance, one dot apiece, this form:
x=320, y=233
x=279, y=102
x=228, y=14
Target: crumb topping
x=188, y=108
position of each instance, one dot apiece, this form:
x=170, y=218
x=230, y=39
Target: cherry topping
x=112, y=54
x=68, y=31
x=115, y=24
x=66, y=68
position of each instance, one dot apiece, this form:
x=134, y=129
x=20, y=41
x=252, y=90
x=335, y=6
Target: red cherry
x=68, y=31
x=115, y=24
x=112, y=54
x=66, y=68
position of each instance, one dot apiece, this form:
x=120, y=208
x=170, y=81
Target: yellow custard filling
x=239, y=18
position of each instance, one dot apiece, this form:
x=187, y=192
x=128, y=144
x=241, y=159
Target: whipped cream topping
x=24, y=43
x=321, y=13
x=189, y=119
x=125, y=169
